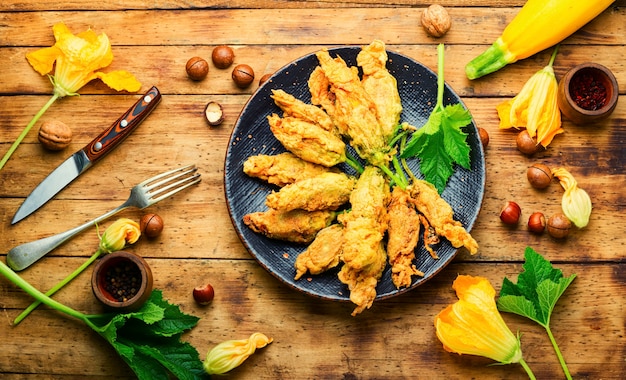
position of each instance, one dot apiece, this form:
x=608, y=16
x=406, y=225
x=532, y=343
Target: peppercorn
x=122, y=281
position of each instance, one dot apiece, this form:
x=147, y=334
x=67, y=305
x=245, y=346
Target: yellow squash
x=539, y=25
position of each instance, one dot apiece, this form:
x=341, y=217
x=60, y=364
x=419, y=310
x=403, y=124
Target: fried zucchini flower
x=76, y=60
x=535, y=107
x=231, y=353
x=576, y=203
x=473, y=325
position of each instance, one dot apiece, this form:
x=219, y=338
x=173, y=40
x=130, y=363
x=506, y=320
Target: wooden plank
x=320, y=338
x=294, y=27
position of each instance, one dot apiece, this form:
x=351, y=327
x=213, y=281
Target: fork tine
x=177, y=187
x=165, y=174
x=172, y=175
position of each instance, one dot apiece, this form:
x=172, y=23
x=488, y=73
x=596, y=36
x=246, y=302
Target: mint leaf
x=539, y=285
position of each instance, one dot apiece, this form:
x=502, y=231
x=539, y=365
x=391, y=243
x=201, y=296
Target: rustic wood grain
x=313, y=339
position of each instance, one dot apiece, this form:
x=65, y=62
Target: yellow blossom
x=231, y=353
x=120, y=233
x=473, y=325
x=76, y=60
x=535, y=107
x=576, y=203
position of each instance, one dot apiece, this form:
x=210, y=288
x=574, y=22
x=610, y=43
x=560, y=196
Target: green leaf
x=539, y=285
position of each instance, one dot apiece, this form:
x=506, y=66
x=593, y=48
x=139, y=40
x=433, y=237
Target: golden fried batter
x=440, y=215
x=402, y=238
x=282, y=169
x=355, y=113
x=319, y=87
x=308, y=140
x=381, y=86
x=297, y=226
x=301, y=110
x=323, y=253
x=327, y=191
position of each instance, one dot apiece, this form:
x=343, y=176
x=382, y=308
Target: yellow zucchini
x=539, y=25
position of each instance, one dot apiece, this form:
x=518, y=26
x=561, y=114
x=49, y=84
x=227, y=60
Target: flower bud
x=231, y=353
x=576, y=203
x=120, y=233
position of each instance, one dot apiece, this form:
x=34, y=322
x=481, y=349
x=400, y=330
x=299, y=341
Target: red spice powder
x=587, y=91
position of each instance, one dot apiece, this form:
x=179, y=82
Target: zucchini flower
x=120, y=233
x=535, y=107
x=473, y=325
x=231, y=353
x=576, y=203
x=76, y=60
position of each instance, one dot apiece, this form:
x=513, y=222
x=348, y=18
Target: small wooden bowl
x=122, y=281
x=572, y=98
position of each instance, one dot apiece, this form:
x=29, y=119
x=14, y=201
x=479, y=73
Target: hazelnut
x=436, y=20
x=510, y=213
x=203, y=295
x=537, y=222
x=55, y=135
x=484, y=137
x=264, y=78
x=151, y=225
x=243, y=75
x=539, y=176
x=197, y=68
x=214, y=114
x=558, y=226
x=526, y=144
x=223, y=56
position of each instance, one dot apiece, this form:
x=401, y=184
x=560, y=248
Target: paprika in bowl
x=587, y=93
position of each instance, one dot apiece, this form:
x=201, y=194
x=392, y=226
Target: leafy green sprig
x=148, y=339
x=441, y=143
x=537, y=291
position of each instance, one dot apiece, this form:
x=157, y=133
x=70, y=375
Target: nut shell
x=436, y=21
x=223, y=56
x=151, y=225
x=526, y=144
x=197, y=68
x=539, y=176
x=558, y=226
x=510, y=213
x=214, y=113
x=55, y=135
x=243, y=75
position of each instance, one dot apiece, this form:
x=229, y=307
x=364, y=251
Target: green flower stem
x=39, y=296
x=530, y=373
x=354, y=163
x=21, y=137
x=440, y=79
x=58, y=286
x=558, y=353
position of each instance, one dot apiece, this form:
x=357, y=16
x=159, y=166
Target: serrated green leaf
x=435, y=163
x=517, y=305
x=539, y=284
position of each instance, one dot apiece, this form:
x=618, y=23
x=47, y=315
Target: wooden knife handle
x=123, y=127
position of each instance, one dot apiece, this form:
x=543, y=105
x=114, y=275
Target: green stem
x=530, y=373
x=556, y=49
x=33, y=292
x=440, y=78
x=21, y=137
x=352, y=162
x=558, y=353
x=58, y=286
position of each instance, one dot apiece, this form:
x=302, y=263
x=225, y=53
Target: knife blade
x=83, y=159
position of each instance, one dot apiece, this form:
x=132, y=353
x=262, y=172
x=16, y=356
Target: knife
x=82, y=160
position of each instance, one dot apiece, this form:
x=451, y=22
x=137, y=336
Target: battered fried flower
x=282, y=169
x=402, y=238
x=319, y=87
x=440, y=215
x=364, y=255
x=327, y=191
x=355, y=113
x=381, y=86
x=297, y=226
x=292, y=106
x=323, y=253
x=308, y=140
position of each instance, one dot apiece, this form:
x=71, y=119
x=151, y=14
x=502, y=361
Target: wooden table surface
x=313, y=338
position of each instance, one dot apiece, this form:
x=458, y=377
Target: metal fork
x=145, y=194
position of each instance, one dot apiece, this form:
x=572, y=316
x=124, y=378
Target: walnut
x=436, y=20
x=55, y=135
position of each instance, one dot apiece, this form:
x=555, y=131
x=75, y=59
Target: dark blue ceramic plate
x=251, y=135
